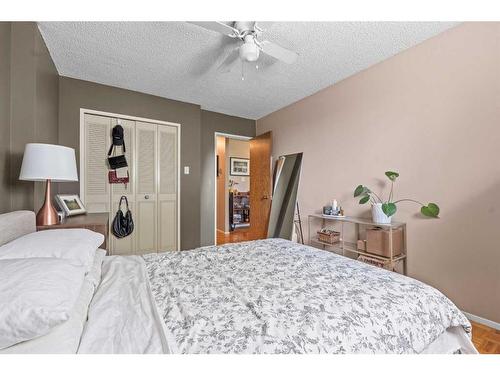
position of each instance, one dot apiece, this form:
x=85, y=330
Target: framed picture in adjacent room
x=239, y=167
x=71, y=204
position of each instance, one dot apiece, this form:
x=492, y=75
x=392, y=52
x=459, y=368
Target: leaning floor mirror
x=285, y=186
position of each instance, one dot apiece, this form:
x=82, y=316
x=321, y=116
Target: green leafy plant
x=389, y=207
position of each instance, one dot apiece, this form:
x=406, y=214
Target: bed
x=265, y=296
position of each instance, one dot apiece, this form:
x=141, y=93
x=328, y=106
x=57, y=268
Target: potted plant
x=382, y=211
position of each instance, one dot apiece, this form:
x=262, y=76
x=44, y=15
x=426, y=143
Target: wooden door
x=126, y=245
x=96, y=189
x=146, y=188
x=167, y=187
x=260, y=185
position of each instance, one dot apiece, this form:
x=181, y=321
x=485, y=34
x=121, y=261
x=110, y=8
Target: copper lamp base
x=47, y=215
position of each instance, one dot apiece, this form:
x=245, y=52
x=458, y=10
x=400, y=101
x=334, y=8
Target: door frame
x=231, y=136
x=84, y=111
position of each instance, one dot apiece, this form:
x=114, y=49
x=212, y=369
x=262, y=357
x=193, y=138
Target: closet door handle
x=146, y=196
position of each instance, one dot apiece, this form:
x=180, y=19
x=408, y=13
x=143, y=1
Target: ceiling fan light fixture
x=250, y=34
x=249, y=51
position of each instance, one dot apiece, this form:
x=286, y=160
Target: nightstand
x=97, y=222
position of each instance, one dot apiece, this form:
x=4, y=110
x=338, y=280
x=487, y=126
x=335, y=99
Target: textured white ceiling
x=177, y=60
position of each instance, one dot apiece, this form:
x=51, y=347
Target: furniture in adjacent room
x=153, y=154
x=239, y=210
x=50, y=163
x=383, y=245
x=97, y=222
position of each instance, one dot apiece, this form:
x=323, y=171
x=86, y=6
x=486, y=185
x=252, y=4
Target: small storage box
x=376, y=262
x=330, y=237
x=377, y=242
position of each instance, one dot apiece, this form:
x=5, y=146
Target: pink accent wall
x=432, y=113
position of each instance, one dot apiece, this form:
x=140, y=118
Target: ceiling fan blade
x=217, y=27
x=278, y=52
x=229, y=62
x=263, y=25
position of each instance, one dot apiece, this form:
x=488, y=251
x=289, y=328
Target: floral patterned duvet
x=276, y=296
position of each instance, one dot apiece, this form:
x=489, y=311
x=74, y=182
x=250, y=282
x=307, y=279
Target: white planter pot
x=378, y=215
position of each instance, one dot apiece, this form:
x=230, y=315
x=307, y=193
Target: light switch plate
x=186, y=169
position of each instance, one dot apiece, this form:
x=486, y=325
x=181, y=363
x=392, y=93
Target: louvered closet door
x=146, y=191
x=96, y=189
x=125, y=246
x=167, y=191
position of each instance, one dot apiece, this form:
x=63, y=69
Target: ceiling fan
x=249, y=33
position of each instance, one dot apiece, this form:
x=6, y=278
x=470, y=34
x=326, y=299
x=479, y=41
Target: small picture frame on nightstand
x=71, y=204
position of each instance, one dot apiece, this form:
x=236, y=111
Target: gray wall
x=46, y=103
x=29, y=87
x=212, y=122
x=5, y=36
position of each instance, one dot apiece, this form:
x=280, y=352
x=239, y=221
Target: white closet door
x=124, y=246
x=97, y=139
x=167, y=189
x=146, y=188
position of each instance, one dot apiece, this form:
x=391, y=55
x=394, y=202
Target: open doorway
x=243, y=187
x=233, y=211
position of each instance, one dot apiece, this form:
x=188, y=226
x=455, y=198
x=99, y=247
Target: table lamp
x=51, y=163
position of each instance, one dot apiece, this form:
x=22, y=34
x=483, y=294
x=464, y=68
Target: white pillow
x=78, y=245
x=65, y=337
x=36, y=294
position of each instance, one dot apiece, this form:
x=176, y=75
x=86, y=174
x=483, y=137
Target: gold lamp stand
x=47, y=215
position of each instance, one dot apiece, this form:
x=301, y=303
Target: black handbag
x=119, y=161
x=116, y=162
x=123, y=224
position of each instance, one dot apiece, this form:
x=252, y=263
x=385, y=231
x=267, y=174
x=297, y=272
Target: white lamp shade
x=48, y=162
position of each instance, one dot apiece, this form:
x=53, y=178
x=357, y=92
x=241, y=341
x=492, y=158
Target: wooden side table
x=97, y=222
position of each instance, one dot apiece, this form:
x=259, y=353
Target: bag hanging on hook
x=119, y=161
x=123, y=224
x=115, y=178
x=116, y=162
x=119, y=170
x=118, y=173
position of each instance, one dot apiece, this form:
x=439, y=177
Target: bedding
x=275, y=296
x=36, y=294
x=123, y=317
x=452, y=341
x=65, y=338
x=76, y=245
x=267, y=296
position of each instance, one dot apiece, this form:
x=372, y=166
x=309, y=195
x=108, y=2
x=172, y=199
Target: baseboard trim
x=481, y=320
